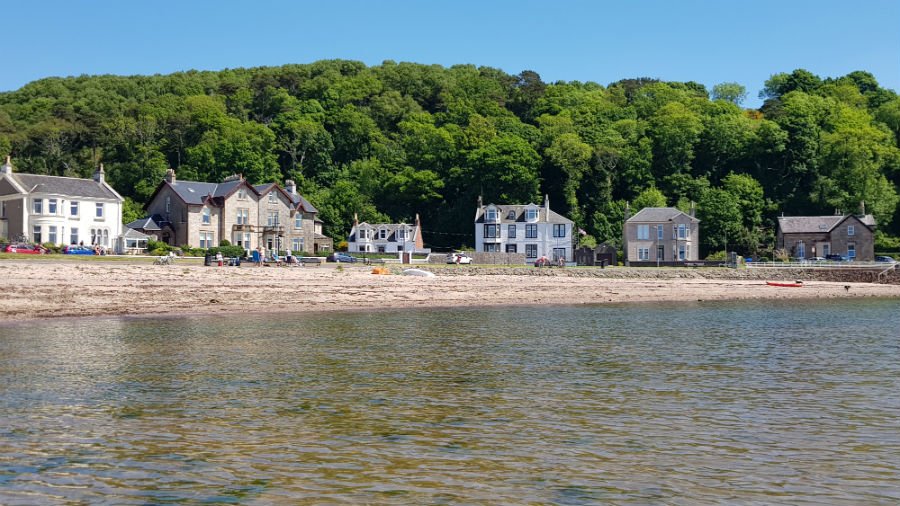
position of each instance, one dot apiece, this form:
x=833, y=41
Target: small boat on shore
x=795, y=284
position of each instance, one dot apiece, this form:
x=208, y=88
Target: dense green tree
x=393, y=140
x=730, y=92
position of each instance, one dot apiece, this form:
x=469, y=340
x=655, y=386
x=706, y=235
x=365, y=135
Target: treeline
x=396, y=139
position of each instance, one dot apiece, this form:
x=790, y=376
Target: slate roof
x=518, y=214
x=817, y=224
x=131, y=233
x=148, y=223
x=303, y=203
x=659, y=214
x=71, y=186
x=194, y=192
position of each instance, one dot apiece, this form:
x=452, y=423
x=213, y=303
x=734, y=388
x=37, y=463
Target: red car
x=24, y=248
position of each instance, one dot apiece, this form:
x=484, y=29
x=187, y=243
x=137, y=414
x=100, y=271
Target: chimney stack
x=99, y=174
x=290, y=186
x=480, y=202
x=170, y=176
x=693, y=210
x=7, y=167
x=547, y=202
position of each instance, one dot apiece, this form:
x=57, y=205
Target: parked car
x=887, y=260
x=816, y=259
x=74, y=249
x=341, y=257
x=458, y=258
x=27, y=249
x=837, y=258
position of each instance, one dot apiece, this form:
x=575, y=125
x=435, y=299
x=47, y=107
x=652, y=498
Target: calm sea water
x=663, y=404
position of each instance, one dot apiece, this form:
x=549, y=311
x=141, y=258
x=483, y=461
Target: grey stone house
x=660, y=236
x=202, y=214
x=819, y=236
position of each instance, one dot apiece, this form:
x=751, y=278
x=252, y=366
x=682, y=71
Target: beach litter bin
x=207, y=260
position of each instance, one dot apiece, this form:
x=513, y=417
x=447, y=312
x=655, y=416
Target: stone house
x=200, y=214
x=534, y=230
x=59, y=210
x=819, y=236
x=660, y=236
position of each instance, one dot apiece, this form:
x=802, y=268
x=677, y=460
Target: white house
x=386, y=237
x=531, y=229
x=59, y=210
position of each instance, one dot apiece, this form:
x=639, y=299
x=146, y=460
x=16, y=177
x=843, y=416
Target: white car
x=458, y=258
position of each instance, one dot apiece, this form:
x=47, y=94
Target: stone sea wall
x=856, y=275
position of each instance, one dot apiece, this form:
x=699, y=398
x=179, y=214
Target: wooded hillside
x=396, y=139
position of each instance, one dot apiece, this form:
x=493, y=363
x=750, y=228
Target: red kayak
x=798, y=284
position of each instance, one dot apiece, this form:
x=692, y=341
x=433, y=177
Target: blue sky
x=603, y=41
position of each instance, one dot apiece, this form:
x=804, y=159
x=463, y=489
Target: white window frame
x=660, y=233
x=37, y=206
x=682, y=251
x=491, y=214
x=559, y=230
x=36, y=234
x=531, y=251
x=272, y=198
x=682, y=231
x=205, y=216
x=272, y=219
x=643, y=232
x=491, y=231
x=207, y=239
x=531, y=231
x=243, y=216
x=73, y=235
x=851, y=251
x=51, y=234
x=401, y=234
x=242, y=194
x=99, y=210
x=643, y=253
x=531, y=215
x=73, y=208
x=297, y=244
x=298, y=220
x=511, y=232
x=52, y=206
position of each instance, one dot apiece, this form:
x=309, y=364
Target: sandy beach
x=48, y=289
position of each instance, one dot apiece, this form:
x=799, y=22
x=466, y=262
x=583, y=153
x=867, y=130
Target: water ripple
x=670, y=404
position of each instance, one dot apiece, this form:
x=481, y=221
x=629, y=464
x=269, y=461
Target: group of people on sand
x=260, y=257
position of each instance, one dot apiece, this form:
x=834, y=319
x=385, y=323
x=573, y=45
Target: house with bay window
x=386, y=237
x=200, y=214
x=537, y=231
x=59, y=210
x=806, y=237
x=660, y=236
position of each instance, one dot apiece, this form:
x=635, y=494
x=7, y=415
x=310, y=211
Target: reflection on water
x=676, y=404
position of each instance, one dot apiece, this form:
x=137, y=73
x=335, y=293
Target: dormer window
x=363, y=235
x=531, y=214
x=491, y=214
x=511, y=215
x=401, y=234
x=382, y=234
